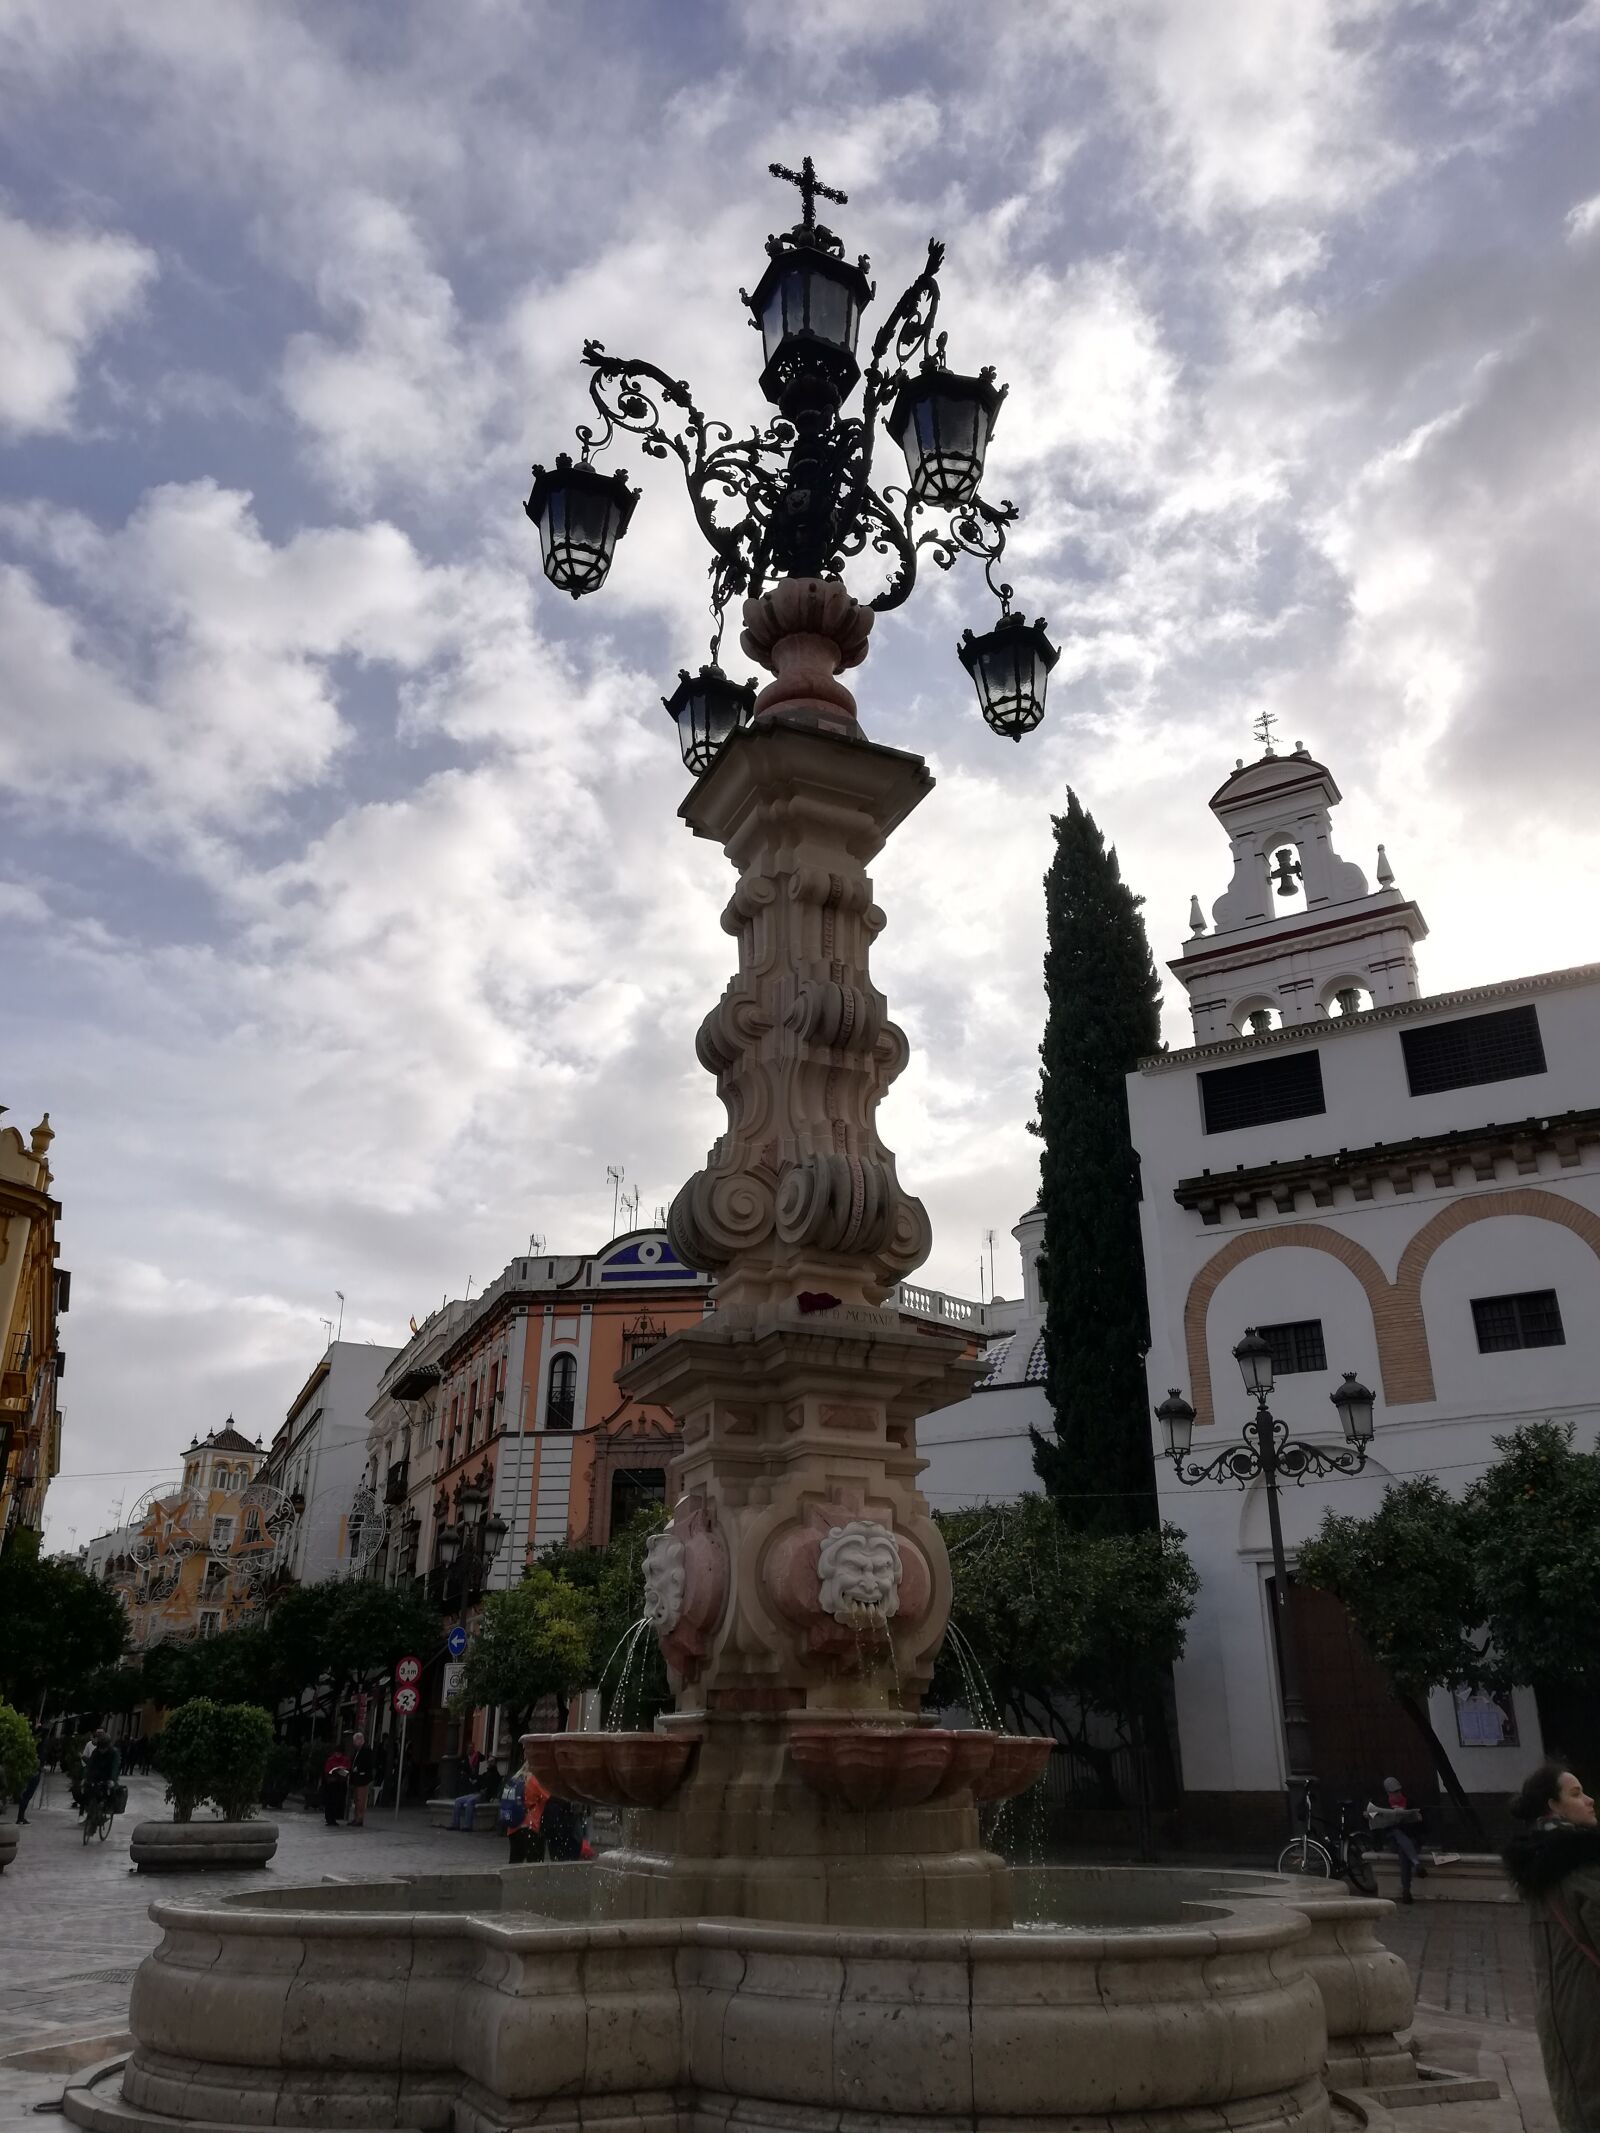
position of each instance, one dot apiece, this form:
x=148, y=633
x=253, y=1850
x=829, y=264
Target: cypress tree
x=1103, y=1016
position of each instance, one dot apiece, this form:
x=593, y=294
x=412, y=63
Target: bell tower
x=1297, y=936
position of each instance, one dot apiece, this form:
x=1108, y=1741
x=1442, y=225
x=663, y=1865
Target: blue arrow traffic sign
x=456, y=1642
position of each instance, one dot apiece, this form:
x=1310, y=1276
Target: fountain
x=801, y=1928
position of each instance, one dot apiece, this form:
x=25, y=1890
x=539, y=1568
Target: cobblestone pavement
x=73, y=1929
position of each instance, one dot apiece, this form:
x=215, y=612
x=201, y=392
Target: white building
x=1407, y=1188
x=318, y=1456
x=980, y=1450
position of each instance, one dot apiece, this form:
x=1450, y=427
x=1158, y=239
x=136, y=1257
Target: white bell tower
x=1297, y=934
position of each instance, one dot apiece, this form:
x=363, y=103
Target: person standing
x=335, y=1786
x=1403, y=1836
x=1555, y=1866
x=361, y=1768
x=527, y=1842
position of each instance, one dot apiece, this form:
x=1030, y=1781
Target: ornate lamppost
x=468, y=1549
x=794, y=500
x=1267, y=1453
x=801, y=1589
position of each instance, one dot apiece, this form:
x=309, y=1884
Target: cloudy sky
x=346, y=928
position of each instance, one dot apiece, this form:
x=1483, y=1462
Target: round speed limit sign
x=408, y=1672
x=405, y=1702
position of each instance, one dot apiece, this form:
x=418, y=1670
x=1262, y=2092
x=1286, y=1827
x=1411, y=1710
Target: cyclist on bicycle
x=101, y=1769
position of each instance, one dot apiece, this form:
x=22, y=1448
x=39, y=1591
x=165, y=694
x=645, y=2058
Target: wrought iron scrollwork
x=791, y=499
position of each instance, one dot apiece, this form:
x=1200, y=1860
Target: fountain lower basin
x=1174, y=2002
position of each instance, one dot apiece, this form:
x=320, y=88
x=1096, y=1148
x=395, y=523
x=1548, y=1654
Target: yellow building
x=33, y=1294
x=198, y=1556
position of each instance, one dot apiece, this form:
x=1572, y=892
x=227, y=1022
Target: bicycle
x=1325, y=1849
x=97, y=1817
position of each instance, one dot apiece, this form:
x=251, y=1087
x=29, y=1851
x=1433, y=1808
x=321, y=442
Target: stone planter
x=196, y=1847
x=8, y=1844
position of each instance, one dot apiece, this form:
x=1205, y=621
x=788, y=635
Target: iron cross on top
x=810, y=185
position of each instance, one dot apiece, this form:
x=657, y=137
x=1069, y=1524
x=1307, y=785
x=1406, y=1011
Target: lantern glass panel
x=945, y=447
x=784, y=313
x=1254, y=1358
x=830, y=311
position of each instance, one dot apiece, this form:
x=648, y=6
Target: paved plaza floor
x=73, y=1929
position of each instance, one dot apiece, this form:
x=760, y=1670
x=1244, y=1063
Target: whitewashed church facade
x=1404, y=1187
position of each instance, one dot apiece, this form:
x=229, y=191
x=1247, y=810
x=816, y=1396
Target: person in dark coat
x=1555, y=1864
x=335, y=1787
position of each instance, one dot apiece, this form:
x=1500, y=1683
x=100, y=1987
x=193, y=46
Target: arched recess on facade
x=1307, y=1237
x=1461, y=1214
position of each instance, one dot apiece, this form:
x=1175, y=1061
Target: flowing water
x=631, y=1645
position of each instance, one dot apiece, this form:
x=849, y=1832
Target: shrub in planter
x=188, y=1755
x=241, y=1740
x=17, y=1757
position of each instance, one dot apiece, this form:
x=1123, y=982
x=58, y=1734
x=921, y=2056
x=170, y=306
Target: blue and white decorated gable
x=642, y=1260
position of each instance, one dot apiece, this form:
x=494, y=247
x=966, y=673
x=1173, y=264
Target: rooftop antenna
x=535, y=1245
x=340, y=1294
x=1266, y=719
x=615, y=1174
x=988, y=1238
x=661, y=1218
x=630, y=1207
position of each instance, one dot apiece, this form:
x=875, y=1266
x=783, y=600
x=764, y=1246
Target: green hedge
x=217, y=1752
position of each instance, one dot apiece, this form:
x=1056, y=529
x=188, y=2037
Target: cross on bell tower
x=810, y=185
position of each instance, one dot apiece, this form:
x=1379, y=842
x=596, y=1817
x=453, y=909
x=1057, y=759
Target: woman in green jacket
x=1555, y=1863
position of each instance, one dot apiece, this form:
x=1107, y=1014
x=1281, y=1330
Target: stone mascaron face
x=859, y=1570
x=664, y=1577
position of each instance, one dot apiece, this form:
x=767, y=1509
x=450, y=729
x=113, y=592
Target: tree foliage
x=626, y=1666
x=241, y=1743
x=57, y=1627
x=347, y=1631
x=534, y=1641
x=1103, y=1015
x=1534, y=1524
x=1050, y=1625
x=1406, y=1577
x=18, y=1756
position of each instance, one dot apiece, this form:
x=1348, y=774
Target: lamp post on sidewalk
x=1267, y=1453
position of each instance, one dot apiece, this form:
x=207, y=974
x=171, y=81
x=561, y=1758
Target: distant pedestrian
x=335, y=1787
x=1555, y=1863
x=361, y=1769
x=464, y=1807
x=522, y=1806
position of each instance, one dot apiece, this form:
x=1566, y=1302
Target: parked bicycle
x=1327, y=1849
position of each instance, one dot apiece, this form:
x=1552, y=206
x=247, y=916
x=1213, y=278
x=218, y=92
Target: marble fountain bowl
x=1159, y=2000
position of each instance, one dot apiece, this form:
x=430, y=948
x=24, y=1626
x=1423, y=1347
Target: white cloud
x=59, y=291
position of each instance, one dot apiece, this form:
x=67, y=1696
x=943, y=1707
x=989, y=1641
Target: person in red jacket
x=527, y=1840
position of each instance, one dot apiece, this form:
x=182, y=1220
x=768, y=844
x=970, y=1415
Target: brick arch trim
x=1403, y=1359
x=1529, y=1200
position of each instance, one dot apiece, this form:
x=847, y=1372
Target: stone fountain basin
x=610, y=1769
x=867, y=1766
x=431, y=2004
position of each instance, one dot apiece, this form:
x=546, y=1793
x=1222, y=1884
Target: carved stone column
x=801, y=1591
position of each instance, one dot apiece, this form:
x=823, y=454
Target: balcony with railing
x=396, y=1482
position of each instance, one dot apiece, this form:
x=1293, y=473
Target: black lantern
x=943, y=423
x=1176, y=1417
x=1354, y=1403
x=1254, y=1359
x=808, y=305
x=706, y=708
x=449, y=1544
x=494, y=1535
x=1010, y=666
x=581, y=515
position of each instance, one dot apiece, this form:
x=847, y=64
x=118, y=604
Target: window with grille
x=563, y=1392
x=1296, y=1345
x=1261, y=1092
x=1531, y=1320
x=252, y=1525
x=1478, y=1048
x=222, y=1533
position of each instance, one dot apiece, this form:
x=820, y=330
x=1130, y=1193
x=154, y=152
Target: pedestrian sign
x=405, y=1702
x=408, y=1672
x=456, y=1642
